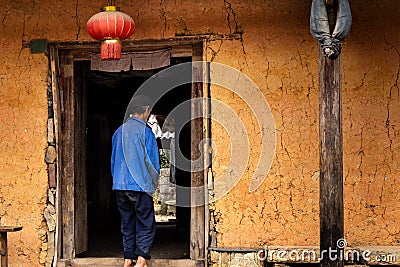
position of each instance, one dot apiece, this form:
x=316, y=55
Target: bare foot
x=141, y=262
x=128, y=263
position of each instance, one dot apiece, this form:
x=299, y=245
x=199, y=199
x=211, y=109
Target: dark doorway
x=108, y=95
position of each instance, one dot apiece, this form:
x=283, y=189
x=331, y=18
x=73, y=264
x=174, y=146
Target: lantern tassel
x=111, y=49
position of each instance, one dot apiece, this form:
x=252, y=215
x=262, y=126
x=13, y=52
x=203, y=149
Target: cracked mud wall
x=371, y=110
x=281, y=59
x=278, y=54
x=273, y=46
x=23, y=133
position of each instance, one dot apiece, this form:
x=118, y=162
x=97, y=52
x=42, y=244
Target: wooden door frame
x=62, y=58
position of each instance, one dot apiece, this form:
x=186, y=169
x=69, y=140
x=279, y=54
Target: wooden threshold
x=118, y=262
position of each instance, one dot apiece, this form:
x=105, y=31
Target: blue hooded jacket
x=135, y=161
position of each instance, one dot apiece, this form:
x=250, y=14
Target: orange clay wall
x=278, y=53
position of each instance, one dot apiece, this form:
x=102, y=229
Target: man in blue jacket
x=135, y=169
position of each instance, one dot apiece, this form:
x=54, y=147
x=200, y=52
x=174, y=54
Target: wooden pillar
x=197, y=232
x=331, y=159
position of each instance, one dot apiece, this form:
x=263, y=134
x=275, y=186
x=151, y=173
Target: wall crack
x=164, y=17
x=22, y=37
x=5, y=15
x=231, y=13
x=235, y=28
x=215, y=53
x=77, y=20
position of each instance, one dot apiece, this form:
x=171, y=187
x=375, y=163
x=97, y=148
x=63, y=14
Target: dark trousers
x=138, y=225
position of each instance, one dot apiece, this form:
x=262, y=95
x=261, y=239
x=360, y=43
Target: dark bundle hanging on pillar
x=321, y=30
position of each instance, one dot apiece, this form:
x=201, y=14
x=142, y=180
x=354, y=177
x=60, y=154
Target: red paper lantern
x=110, y=26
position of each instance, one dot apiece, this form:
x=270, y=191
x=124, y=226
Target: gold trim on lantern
x=112, y=41
x=109, y=8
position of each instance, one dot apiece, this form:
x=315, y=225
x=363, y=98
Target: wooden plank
x=331, y=160
x=148, y=43
x=86, y=50
x=80, y=125
x=67, y=156
x=197, y=241
x=73, y=161
x=181, y=51
x=4, y=229
x=207, y=154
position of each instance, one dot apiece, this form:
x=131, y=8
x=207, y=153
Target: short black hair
x=139, y=103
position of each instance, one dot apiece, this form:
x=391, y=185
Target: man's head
x=140, y=105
